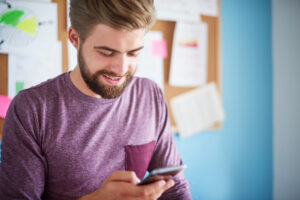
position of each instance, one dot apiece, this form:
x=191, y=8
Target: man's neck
x=80, y=84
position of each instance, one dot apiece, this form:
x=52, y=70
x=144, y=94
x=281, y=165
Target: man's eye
x=107, y=54
x=133, y=54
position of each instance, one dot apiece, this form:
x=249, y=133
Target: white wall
x=286, y=91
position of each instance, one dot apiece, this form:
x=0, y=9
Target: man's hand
x=122, y=185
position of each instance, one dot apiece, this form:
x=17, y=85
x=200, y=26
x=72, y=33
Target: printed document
x=197, y=110
x=189, y=55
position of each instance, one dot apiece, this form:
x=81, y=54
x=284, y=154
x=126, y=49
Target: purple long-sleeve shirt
x=61, y=144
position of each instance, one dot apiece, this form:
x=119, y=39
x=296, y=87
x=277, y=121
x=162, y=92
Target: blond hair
x=118, y=14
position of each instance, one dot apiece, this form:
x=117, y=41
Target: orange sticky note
x=159, y=48
x=4, y=104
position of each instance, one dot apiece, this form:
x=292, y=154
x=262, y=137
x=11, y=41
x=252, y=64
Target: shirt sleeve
x=23, y=166
x=166, y=154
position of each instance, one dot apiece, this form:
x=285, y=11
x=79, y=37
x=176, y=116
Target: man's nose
x=121, y=65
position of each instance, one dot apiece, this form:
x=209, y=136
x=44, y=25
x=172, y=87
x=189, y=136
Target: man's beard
x=91, y=80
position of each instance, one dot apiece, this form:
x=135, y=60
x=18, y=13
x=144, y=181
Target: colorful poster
x=27, y=26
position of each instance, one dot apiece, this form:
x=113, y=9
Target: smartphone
x=162, y=174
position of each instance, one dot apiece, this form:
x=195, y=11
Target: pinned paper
x=187, y=11
x=189, y=55
x=26, y=71
x=159, y=48
x=197, y=110
x=27, y=26
x=4, y=104
x=179, y=10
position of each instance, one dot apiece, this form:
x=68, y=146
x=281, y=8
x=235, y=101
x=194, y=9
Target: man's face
x=107, y=59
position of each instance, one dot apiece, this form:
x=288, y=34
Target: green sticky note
x=19, y=86
x=11, y=17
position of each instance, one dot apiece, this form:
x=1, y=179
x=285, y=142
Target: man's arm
x=166, y=154
x=23, y=166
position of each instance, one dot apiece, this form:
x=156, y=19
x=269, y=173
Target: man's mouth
x=112, y=79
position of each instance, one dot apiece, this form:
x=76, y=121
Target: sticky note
x=19, y=86
x=4, y=104
x=159, y=48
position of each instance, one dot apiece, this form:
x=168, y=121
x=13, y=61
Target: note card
x=4, y=104
x=197, y=110
x=159, y=48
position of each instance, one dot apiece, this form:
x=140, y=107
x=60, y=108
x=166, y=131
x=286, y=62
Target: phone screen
x=162, y=174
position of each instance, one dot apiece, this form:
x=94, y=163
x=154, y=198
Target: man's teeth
x=112, y=78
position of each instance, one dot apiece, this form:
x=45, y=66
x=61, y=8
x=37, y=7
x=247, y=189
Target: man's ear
x=74, y=37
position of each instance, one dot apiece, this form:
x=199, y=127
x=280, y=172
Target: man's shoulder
x=43, y=90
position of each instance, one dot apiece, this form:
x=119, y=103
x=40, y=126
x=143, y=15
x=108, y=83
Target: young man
x=94, y=132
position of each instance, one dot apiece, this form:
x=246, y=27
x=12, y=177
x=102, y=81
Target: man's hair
x=118, y=14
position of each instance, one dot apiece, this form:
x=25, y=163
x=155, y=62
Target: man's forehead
x=117, y=39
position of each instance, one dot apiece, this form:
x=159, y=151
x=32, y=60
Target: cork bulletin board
x=213, y=62
x=167, y=29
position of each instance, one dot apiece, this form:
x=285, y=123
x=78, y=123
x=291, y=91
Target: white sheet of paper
x=150, y=66
x=197, y=110
x=35, y=30
x=187, y=11
x=30, y=70
x=175, y=10
x=204, y=7
x=189, y=55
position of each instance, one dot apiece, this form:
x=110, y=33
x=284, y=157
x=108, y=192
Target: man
x=94, y=132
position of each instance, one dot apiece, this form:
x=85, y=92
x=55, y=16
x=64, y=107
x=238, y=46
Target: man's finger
x=155, y=189
x=170, y=183
x=126, y=176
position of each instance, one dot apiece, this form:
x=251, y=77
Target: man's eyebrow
x=137, y=49
x=114, y=50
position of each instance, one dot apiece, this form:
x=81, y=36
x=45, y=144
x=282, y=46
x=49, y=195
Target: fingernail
x=161, y=183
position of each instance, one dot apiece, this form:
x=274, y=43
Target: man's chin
x=109, y=91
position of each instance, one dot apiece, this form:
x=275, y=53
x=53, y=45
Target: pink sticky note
x=159, y=48
x=4, y=104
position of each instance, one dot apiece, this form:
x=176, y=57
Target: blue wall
x=235, y=163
